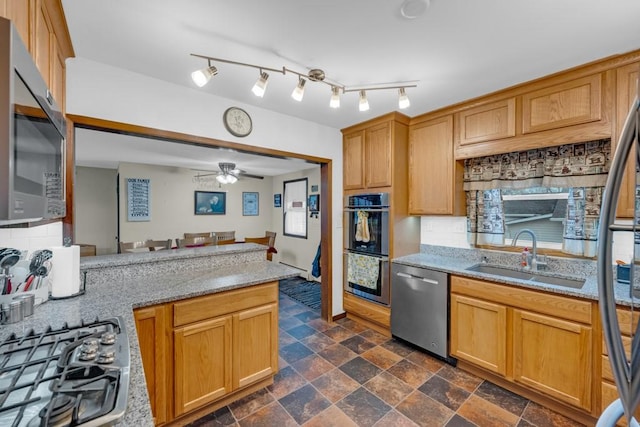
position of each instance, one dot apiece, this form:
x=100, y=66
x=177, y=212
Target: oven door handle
x=411, y=276
x=366, y=210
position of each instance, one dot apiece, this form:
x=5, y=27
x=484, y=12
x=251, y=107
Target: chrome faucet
x=536, y=264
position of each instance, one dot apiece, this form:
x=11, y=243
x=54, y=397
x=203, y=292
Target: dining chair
x=226, y=242
x=192, y=235
x=225, y=235
x=194, y=242
x=150, y=245
x=272, y=244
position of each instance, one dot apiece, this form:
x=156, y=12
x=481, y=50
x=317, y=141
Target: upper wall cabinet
x=374, y=152
x=566, y=104
x=18, y=12
x=487, y=122
x=435, y=178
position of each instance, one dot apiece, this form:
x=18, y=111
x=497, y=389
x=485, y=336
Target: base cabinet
x=535, y=341
x=208, y=350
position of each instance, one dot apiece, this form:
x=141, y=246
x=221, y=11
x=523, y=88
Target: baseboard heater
x=303, y=273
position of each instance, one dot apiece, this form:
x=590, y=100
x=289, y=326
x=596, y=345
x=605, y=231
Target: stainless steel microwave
x=32, y=137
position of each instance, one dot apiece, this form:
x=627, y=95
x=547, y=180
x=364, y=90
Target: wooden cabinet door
x=58, y=72
x=18, y=12
x=626, y=90
x=255, y=344
x=431, y=167
x=42, y=38
x=553, y=356
x=487, y=122
x=377, y=157
x=478, y=332
x=353, y=158
x=202, y=363
x=150, y=328
x=575, y=102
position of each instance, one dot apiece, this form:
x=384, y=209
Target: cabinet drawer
x=538, y=301
x=207, y=307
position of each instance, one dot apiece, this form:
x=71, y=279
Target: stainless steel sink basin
x=532, y=276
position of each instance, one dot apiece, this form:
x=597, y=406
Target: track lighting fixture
x=403, y=99
x=201, y=77
x=363, y=105
x=298, y=92
x=335, y=97
x=261, y=85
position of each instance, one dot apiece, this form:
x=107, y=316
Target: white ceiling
x=457, y=50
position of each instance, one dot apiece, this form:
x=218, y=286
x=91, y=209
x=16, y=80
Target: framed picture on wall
x=250, y=205
x=277, y=200
x=210, y=203
x=314, y=203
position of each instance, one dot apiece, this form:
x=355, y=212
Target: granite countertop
x=457, y=262
x=119, y=298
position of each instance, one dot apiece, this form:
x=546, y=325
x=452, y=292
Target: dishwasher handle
x=411, y=276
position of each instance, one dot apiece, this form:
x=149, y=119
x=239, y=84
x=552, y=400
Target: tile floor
x=342, y=374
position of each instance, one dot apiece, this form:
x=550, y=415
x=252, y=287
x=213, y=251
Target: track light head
x=335, y=97
x=403, y=99
x=298, y=92
x=201, y=77
x=261, y=85
x=363, y=104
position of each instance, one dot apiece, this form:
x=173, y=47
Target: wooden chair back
x=192, y=235
x=259, y=240
x=272, y=238
x=151, y=245
x=225, y=235
x=196, y=242
x=226, y=242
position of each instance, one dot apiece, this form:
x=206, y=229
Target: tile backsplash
x=32, y=238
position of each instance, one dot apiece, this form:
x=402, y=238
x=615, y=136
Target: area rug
x=303, y=291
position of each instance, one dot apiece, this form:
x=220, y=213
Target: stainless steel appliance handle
x=411, y=276
x=368, y=209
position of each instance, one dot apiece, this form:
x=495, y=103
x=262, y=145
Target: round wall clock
x=237, y=121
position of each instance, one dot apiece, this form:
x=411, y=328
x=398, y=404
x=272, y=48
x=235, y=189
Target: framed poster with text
x=250, y=205
x=138, y=199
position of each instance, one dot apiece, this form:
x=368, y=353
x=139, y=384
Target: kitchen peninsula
x=185, y=282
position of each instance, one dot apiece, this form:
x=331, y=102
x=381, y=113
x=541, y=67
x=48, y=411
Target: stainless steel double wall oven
x=366, y=237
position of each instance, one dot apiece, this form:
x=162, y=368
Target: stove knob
x=108, y=338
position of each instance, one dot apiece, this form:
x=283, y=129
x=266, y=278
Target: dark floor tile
x=398, y=347
x=284, y=338
x=541, y=416
x=394, y=418
x=335, y=385
x=331, y=417
x=525, y=423
x=444, y=392
x=308, y=315
x=424, y=411
x=304, y=403
x=295, y=309
x=312, y=366
x=337, y=354
x=352, y=325
x=357, y=344
x=360, y=370
x=484, y=413
x=410, y=373
x=271, y=415
x=458, y=421
x=373, y=336
x=286, y=381
x=363, y=407
x=460, y=378
x=381, y=357
x=501, y=397
x=301, y=331
x=293, y=352
x=428, y=362
x=287, y=323
x=251, y=403
x=317, y=342
x=388, y=388
x=320, y=324
x=338, y=333
x=219, y=418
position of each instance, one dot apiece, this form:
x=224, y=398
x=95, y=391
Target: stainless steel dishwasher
x=420, y=308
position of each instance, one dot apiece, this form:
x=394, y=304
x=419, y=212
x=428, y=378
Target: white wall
x=95, y=199
x=110, y=93
x=172, y=205
x=292, y=250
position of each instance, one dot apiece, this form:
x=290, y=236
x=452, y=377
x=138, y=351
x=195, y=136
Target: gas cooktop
x=73, y=376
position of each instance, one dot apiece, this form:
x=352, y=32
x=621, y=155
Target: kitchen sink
x=527, y=276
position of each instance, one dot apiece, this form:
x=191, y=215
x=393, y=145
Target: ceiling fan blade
x=200, y=175
x=248, y=175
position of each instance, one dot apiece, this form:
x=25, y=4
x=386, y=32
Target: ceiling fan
x=228, y=174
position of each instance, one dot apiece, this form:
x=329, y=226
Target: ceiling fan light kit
x=202, y=77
